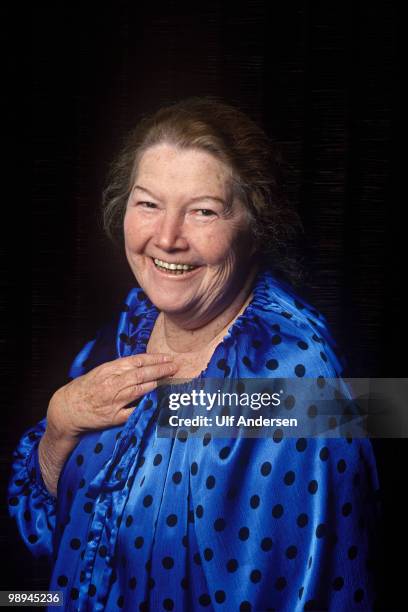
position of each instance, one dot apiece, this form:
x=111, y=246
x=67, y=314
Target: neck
x=179, y=339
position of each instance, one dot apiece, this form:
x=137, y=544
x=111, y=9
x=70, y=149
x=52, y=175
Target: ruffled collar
x=139, y=314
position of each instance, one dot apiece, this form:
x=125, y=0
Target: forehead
x=165, y=165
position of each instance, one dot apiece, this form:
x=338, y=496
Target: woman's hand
x=98, y=399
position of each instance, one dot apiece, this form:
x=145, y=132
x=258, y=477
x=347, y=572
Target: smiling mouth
x=175, y=269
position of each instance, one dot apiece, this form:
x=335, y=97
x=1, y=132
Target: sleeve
x=30, y=503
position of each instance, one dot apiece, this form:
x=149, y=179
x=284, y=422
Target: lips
x=182, y=267
x=170, y=269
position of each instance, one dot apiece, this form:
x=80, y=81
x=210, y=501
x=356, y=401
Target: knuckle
x=138, y=379
x=165, y=370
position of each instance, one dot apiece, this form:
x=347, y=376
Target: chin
x=166, y=304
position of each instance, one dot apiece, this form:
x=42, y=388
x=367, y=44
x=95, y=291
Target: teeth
x=177, y=268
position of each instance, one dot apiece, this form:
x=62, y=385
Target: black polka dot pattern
x=244, y=515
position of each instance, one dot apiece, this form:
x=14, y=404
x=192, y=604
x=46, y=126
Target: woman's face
x=189, y=256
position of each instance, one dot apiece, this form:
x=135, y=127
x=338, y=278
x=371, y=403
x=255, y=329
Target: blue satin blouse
x=143, y=522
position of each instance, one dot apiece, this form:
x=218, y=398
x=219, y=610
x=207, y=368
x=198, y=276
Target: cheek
x=134, y=230
x=128, y=227
x=223, y=245
x=213, y=246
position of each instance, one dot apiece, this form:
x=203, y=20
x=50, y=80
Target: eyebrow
x=196, y=199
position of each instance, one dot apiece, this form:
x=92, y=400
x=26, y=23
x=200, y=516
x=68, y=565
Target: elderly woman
x=136, y=521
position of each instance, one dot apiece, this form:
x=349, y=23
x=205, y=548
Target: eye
x=205, y=212
x=147, y=204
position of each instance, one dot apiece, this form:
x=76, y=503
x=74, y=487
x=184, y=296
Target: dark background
x=320, y=77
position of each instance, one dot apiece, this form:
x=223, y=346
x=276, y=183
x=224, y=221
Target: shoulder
x=98, y=350
x=117, y=337
x=292, y=336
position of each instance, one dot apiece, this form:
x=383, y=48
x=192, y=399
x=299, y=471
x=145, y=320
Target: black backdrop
x=321, y=77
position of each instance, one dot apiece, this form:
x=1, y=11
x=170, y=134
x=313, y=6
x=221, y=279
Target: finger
x=122, y=416
x=145, y=374
x=145, y=388
x=141, y=360
x=118, y=385
x=132, y=393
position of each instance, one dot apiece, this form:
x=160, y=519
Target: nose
x=170, y=232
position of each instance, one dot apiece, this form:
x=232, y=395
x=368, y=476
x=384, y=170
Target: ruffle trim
x=27, y=474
